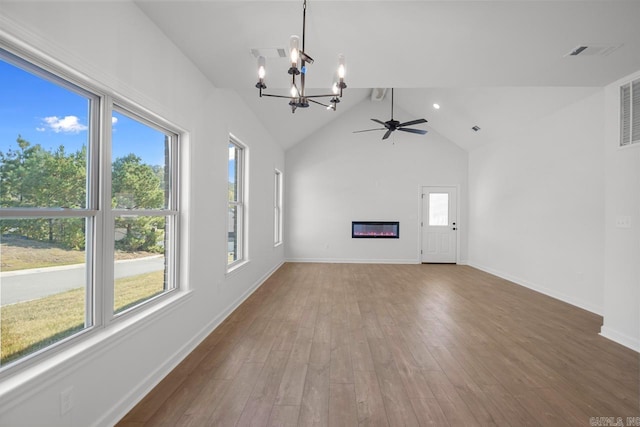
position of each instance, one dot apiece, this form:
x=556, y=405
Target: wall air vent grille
x=377, y=94
x=630, y=113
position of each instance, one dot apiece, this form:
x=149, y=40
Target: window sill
x=236, y=267
x=629, y=146
x=27, y=380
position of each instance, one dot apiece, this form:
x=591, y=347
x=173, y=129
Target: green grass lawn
x=29, y=326
x=20, y=254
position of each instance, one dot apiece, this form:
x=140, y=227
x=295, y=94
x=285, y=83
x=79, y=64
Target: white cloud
x=40, y=129
x=114, y=120
x=67, y=124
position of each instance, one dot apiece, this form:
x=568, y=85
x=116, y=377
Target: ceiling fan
x=392, y=125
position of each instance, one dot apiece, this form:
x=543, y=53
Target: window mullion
x=105, y=251
x=93, y=222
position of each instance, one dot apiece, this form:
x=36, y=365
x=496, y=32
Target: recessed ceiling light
x=436, y=106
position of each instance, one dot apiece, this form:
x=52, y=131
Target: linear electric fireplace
x=375, y=229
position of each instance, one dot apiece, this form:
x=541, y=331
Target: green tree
x=15, y=168
x=136, y=185
x=31, y=176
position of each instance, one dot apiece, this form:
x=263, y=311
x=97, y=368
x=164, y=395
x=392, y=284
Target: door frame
x=421, y=217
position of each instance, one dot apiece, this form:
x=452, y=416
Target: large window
x=277, y=208
x=145, y=210
x=84, y=236
x=236, y=250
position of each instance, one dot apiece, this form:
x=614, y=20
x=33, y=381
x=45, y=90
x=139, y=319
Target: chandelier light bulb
x=341, y=66
x=261, y=69
x=335, y=89
x=294, y=92
x=294, y=49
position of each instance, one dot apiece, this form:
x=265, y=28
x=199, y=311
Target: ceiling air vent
x=377, y=93
x=269, y=52
x=593, y=50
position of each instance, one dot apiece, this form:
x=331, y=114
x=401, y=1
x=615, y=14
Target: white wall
x=115, y=44
x=622, y=245
x=336, y=176
x=537, y=205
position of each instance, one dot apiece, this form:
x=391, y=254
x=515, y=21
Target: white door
x=439, y=224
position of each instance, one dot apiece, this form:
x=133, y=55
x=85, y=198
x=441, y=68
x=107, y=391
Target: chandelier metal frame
x=299, y=59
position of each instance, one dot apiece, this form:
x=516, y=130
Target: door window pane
x=438, y=208
x=43, y=288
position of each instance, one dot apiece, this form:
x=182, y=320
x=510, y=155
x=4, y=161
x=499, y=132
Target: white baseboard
x=355, y=261
x=620, y=338
x=131, y=399
x=541, y=289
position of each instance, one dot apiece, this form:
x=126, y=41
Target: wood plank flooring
x=397, y=345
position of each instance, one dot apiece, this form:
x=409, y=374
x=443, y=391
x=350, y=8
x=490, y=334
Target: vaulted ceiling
x=496, y=64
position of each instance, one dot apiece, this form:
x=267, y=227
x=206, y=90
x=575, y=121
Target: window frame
x=171, y=210
x=277, y=208
x=98, y=213
x=239, y=204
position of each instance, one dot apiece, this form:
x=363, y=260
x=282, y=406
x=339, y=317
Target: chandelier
x=298, y=72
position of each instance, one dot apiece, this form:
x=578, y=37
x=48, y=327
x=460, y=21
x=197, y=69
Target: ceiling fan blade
x=413, y=122
x=368, y=130
x=386, y=135
x=380, y=121
x=420, y=131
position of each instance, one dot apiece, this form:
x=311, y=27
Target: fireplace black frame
x=394, y=224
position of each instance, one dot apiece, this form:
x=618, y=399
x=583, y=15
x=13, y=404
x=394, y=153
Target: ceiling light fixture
x=299, y=60
x=436, y=106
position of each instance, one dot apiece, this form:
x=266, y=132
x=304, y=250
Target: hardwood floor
x=396, y=345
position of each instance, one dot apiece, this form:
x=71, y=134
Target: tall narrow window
x=630, y=113
x=277, y=208
x=236, y=211
x=144, y=208
x=83, y=237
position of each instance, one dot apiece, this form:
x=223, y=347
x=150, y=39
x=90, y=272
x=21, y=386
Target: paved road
x=25, y=285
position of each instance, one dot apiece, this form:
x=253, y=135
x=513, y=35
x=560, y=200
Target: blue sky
x=50, y=115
